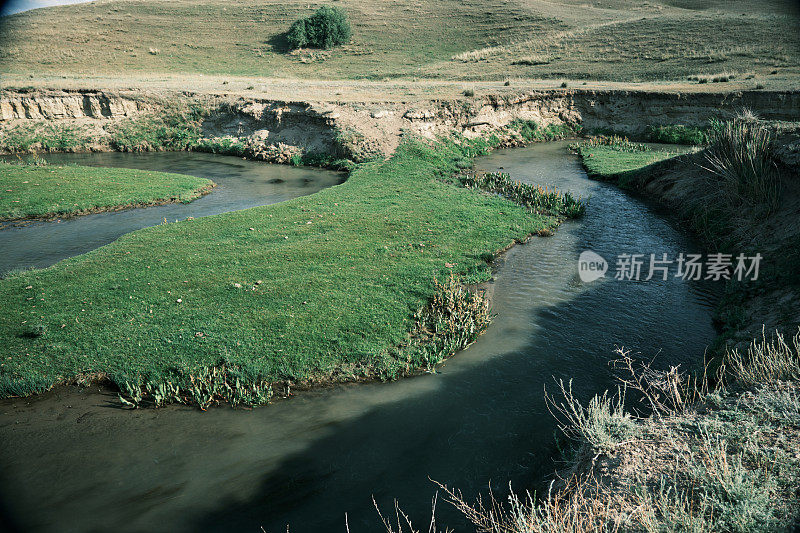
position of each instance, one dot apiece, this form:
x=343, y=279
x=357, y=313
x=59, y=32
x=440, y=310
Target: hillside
x=447, y=39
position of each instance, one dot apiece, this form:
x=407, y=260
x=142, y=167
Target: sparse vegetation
x=719, y=459
x=44, y=136
x=176, y=127
x=528, y=131
x=622, y=40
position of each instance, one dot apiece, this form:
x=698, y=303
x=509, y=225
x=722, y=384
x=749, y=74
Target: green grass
x=325, y=285
x=610, y=163
x=42, y=191
x=677, y=134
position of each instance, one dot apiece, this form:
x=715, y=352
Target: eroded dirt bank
x=275, y=130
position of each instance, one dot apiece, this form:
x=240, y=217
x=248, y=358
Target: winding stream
x=72, y=460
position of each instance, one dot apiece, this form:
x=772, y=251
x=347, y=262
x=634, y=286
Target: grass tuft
x=767, y=360
x=603, y=424
x=741, y=156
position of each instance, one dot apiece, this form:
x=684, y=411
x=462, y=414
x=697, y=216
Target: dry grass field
x=616, y=40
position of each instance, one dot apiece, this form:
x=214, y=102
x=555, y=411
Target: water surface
x=72, y=460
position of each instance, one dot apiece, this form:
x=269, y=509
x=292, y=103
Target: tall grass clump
x=326, y=28
x=536, y=198
x=602, y=424
x=767, y=360
x=741, y=156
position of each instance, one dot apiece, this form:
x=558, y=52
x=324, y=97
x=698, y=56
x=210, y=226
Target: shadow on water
x=485, y=423
x=306, y=462
x=484, y=426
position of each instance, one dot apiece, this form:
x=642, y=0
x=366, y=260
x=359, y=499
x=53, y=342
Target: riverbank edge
x=675, y=182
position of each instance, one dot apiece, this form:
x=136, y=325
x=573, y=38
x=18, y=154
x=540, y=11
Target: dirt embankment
x=737, y=227
x=274, y=130
x=69, y=105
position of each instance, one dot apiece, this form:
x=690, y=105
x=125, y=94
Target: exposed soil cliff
x=273, y=130
x=69, y=105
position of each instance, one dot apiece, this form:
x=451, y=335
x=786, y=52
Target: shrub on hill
x=326, y=28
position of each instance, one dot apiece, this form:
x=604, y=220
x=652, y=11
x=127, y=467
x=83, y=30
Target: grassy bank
x=617, y=159
x=30, y=191
x=327, y=286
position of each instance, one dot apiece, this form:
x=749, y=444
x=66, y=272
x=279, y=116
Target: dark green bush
x=676, y=134
x=326, y=28
x=297, y=35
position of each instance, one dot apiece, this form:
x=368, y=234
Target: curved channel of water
x=72, y=460
x=240, y=184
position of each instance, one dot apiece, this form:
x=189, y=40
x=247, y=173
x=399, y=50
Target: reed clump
x=454, y=318
x=536, y=198
x=204, y=387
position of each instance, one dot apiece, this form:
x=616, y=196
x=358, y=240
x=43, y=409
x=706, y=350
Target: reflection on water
x=240, y=184
x=73, y=461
